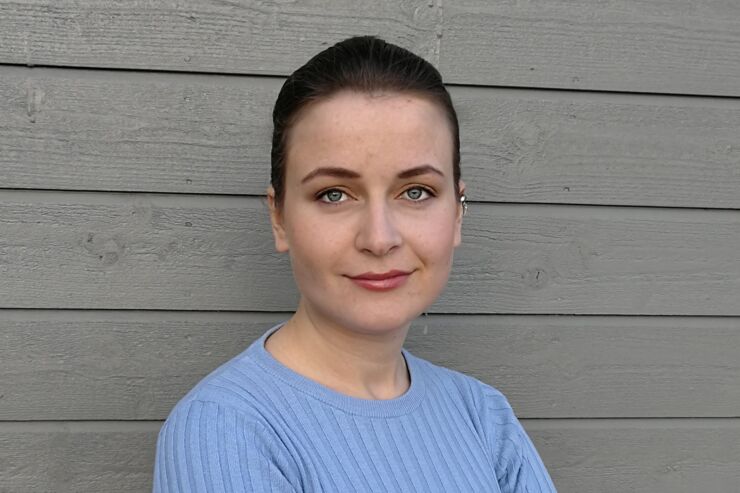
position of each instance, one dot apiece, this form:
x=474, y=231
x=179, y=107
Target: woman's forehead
x=358, y=129
x=348, y=106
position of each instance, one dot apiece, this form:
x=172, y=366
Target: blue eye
x=417, y=194
x=332, y=196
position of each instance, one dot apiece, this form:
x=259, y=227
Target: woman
x=366, y=198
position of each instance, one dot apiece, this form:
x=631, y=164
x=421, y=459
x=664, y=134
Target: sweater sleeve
x=204, y=446
x=519, y=468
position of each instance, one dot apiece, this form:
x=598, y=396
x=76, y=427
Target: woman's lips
x=381, y=281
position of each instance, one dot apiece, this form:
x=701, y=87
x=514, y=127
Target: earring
x=464, y=203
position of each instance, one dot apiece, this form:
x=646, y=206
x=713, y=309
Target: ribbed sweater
x=255, y=425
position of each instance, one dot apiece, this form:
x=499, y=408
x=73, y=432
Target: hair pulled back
x=364, y=64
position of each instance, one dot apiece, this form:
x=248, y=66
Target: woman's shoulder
x=235, y=399
x=239, y=385
x=217, y=426
x=486, y=404
x=482, y=394
x=515, y=456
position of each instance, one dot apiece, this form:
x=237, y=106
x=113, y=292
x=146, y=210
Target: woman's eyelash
x=426, y=190
x=323, y=196
x=340, y=196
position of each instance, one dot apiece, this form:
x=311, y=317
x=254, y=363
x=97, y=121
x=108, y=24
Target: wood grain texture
x=101, y=130
x=90, y=250
x=683, y=47
x=98, y=130
x=608, y=456
x=112, y=365
x=137, y=365
x=593, y=367
x=590, y=148
x=656, y=456
x=662, y=46
x=235, y=36
x=69, y=457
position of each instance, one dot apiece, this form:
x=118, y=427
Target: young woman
x=367, y=200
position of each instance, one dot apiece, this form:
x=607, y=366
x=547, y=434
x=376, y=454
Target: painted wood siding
x=598, y=285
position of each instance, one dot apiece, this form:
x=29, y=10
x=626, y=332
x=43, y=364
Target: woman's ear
x=276, y=218
x=460, y=212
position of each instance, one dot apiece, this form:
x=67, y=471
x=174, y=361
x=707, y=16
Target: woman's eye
x=332, y=196
x=417, y=194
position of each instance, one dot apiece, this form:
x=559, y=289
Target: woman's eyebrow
x=334, y=171
x=337, y=172
x=420, y=170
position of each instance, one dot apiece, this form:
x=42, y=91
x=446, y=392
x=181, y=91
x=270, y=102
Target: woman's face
x=370, y=216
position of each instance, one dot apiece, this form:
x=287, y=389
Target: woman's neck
x=358, y=365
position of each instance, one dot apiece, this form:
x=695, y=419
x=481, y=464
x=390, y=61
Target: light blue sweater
x=255, y=425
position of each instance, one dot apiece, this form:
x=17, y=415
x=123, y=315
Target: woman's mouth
x=383, y=281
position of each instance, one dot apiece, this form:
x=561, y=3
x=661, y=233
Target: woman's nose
x=377, y=232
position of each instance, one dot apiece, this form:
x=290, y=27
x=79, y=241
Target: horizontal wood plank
x=656, y=456
x=193, y=35
x=137, y=365
x=68, y=457
x=113, y=365
x=98, y=130
x=685, y=47
x=87, y=130
x=608, y=456
x=593, y=367
x=663, y=46
x=122, y=251
x=587, y=148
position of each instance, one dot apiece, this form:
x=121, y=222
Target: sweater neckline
x=398, y=406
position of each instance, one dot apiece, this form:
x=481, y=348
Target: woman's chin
x=380, y=324
x=364, y=317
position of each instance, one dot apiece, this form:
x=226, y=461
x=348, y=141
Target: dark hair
x=364, y=64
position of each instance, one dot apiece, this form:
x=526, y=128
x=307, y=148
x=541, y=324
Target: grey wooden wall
x=599, y=281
